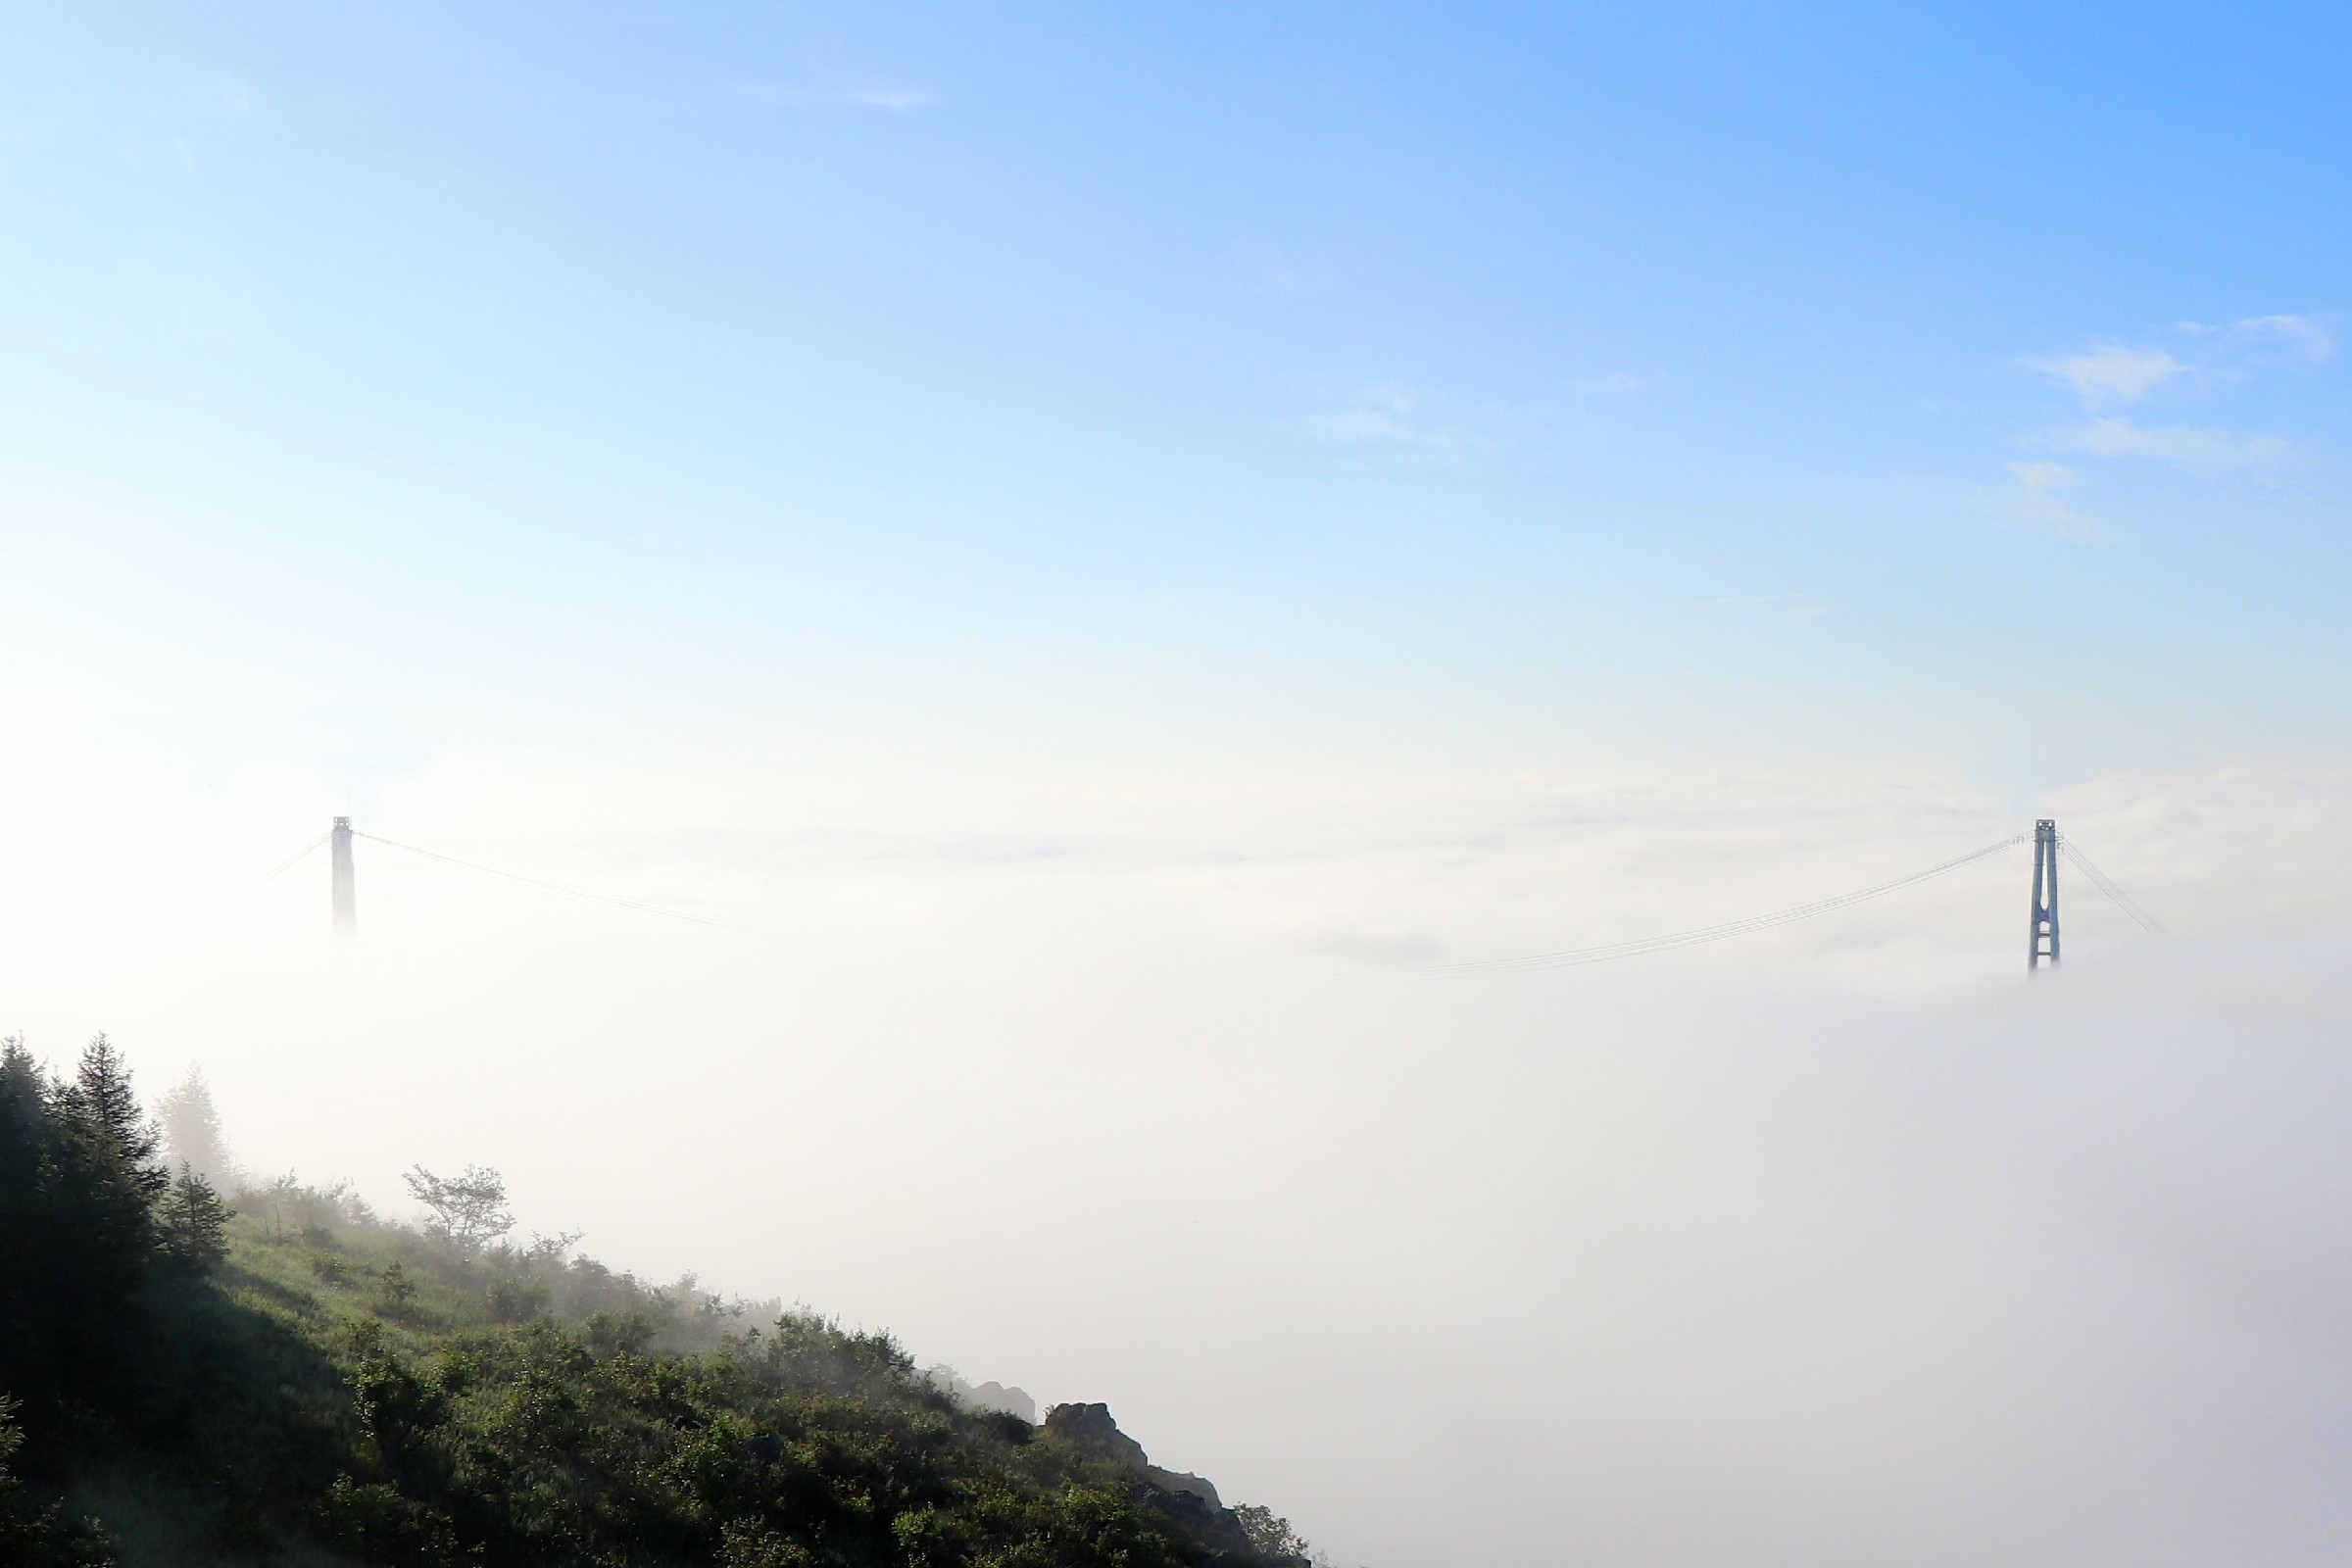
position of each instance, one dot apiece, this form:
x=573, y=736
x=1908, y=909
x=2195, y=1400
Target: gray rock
x=1089, y=1427
x=1188, y=1500
x=991, y=1396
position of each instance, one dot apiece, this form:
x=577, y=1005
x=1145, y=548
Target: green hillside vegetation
x=300, y=1382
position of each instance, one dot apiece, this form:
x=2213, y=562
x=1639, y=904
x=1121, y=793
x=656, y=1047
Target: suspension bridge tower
x=2041, y=940
x=346, y=907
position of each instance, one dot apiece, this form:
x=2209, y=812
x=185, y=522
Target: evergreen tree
x=24, y=1219
x=83, y=1238
x=104, y=1167
x=194, y=1222
x=193, y=1129
x=22, y=1084
x=103, y=1097
x=23, y=1129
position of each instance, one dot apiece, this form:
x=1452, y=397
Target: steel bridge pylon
x=2041, y=938
x=346, y=903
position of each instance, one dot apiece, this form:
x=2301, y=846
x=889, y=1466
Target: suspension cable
x=1572, y=957
x=2100, y=880
x=638, y=904
x=292, y=860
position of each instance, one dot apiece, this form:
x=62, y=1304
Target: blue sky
x=1500, y=377
x=1097, y=542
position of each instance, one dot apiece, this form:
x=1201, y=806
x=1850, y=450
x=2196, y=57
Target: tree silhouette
x=193, y=1129
x=468, y=1210
x=193, y=1221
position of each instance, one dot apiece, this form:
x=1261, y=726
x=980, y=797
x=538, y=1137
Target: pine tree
x=192, y=1128
x=22, y=1084
x=194, y=1222
x=23, y=1130
x=102, y=1098
x=100, y=1181
x=27, y=1229
x=80, y=1234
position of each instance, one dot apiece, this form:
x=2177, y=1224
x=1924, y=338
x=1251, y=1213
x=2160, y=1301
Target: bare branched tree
x=468, y=1210
x=552, y=1249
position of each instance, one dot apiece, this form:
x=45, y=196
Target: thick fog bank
x=1662, y=1265
x=2053, y=1278
x=1837, y=1243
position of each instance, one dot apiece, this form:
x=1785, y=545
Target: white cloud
x=2188, y=445
x=897, y=100
x=1617, y=383
x=1381, y=414
x=1788, y=604
x=2111, y=372
x=2114, y=372
x=893, y=98
x=2036, y=499
x=1365, y=427
x=2302, y=338
x=221, y=94
x=2296, y=336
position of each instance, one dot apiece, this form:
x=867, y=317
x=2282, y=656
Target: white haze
x=1839, y=1244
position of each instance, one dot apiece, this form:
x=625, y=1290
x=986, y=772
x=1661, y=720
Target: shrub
x=610, y=1333
x=44, y=1536
x=514, y=1299
x=459, y=1370
x=394, y=1291
x=378, y=1523
x=749, y=1544
x=394, y=1405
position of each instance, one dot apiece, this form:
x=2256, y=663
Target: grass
x=361, y=1393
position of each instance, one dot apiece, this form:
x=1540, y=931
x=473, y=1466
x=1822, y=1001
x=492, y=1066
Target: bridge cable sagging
x=292, y=860
x=638, y=904
x=1572, y=957
x=2100, y=880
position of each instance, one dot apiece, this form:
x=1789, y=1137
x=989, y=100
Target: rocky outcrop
x=986, y=1396
x=1090, y=1429
x=1189, y=1499
x=1008, y=1400
x=1176, y=1481
x=1217, y=1528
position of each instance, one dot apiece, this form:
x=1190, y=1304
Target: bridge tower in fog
x=346, y=907
x=2041, y=940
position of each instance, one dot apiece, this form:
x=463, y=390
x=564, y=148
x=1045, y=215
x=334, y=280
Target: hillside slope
x=303, y=1384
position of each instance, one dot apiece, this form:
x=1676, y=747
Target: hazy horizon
x=1107, y=561
x=1192, y=1119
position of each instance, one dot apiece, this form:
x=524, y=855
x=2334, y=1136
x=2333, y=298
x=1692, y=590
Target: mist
x=965, y=645
x=1842, y=1244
